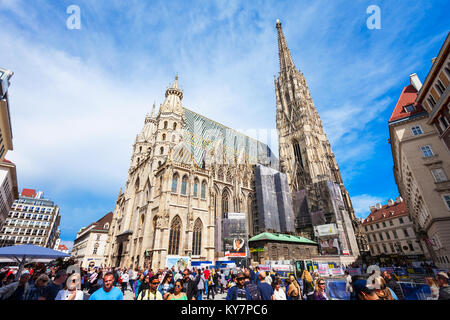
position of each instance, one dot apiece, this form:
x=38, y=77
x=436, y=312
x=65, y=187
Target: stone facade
x=186, y=173
x=90, y=244
x=306, y=156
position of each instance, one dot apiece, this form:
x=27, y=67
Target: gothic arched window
x=225, y=202
x=165, y=124
x=195, y=188
x=297, y=152
x=175, y=183
x=184, y=183
x=203, y=195
x=164, y=137
x=174, y=126
x=197, y=238
x=174, y=236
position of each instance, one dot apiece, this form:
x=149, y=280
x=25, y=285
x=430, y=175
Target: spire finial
x=283, y=50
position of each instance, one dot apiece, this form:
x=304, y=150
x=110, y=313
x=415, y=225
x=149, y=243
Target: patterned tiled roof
x=202, y=134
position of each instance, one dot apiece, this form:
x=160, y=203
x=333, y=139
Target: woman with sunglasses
x=166, y=285
x=177, y=293
x=320, y=293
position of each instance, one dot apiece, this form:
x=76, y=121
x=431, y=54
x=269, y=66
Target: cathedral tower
x=319, y=195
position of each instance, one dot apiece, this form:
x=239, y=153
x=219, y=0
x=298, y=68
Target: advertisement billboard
x=325, y=230
x=235, y=235
x=179, y=262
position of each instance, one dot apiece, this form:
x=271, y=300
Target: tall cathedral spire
x=286, y=62
x=305, y=154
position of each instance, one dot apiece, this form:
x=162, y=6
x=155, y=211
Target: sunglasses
x=155, y=282
x=321, y=284
x=239, y=279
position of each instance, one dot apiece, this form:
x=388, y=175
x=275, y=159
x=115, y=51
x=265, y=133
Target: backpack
x=253, y=289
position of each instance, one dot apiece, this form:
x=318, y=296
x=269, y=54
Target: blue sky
x=79, y=97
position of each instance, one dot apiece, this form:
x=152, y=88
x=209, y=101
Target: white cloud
x=361, y=204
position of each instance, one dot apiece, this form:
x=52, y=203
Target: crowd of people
x=55, y=283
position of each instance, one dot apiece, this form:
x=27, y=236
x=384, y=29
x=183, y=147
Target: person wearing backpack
x=251, y=287
x=239, y=291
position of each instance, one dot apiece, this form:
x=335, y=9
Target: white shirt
x=65, y=294
x=125, y=277
x=279, y=294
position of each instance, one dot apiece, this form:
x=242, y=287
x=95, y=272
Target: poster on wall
x=330, y=246
x=179, y=262
x=235, y=235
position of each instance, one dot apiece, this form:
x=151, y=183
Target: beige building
x=8, y=188
x=90, y=244
x=391, y=235
x=5, y=116
x=421, y=169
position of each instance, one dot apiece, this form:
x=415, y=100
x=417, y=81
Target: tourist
x=308, y=285
x=72, y=292
x=50, y=292
x=210, y=285
x=125, y=279
x=239, y=291
x=166, y=286
x=223, y=282
x=132, y=276
x=384, y=292
x=137, y=285
x=35, y=290
x=190, y=285
x=393, y=285
x=361, y=291
x=278, y=292
x=16, y=290
x=265, y=290
x=151, y=293
x=292, y=292
x=434, y=287
x=319, y=293
x=177, y=294
x=348, y=282
x=108, y=291
x=201, y=286
x=444, y=289
x=216, y=280
x=144, y=285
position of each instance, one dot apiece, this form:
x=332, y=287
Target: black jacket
x=192, y=290
x=444, y=293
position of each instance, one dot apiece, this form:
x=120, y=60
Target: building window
x=165, y=124
x=184, y=183
x=440, y=87
x=162, y=150
x=164, y=137
x=417, y=130
x=225, y=204
x=395, y=234
x=409, y=108
x=381, y=236
x=384, y=224
x=443, y=122
x=195, y=188
x=371, y=227
x=447, y=200
x=174, y=126
x=378, y=226
x=431, y=100
x=400, y=219
x=174, y=183
x=174, y=236
x=297, y=153
x=391, y=223
x=197, y=238
x=405, y=232
x=388, y=236
x=427, y=151
x=203, y=195
x=392, y=247
x=439, y=175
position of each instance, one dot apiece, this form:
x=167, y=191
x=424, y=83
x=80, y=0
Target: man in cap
x=239, y=291
x=444, y=289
